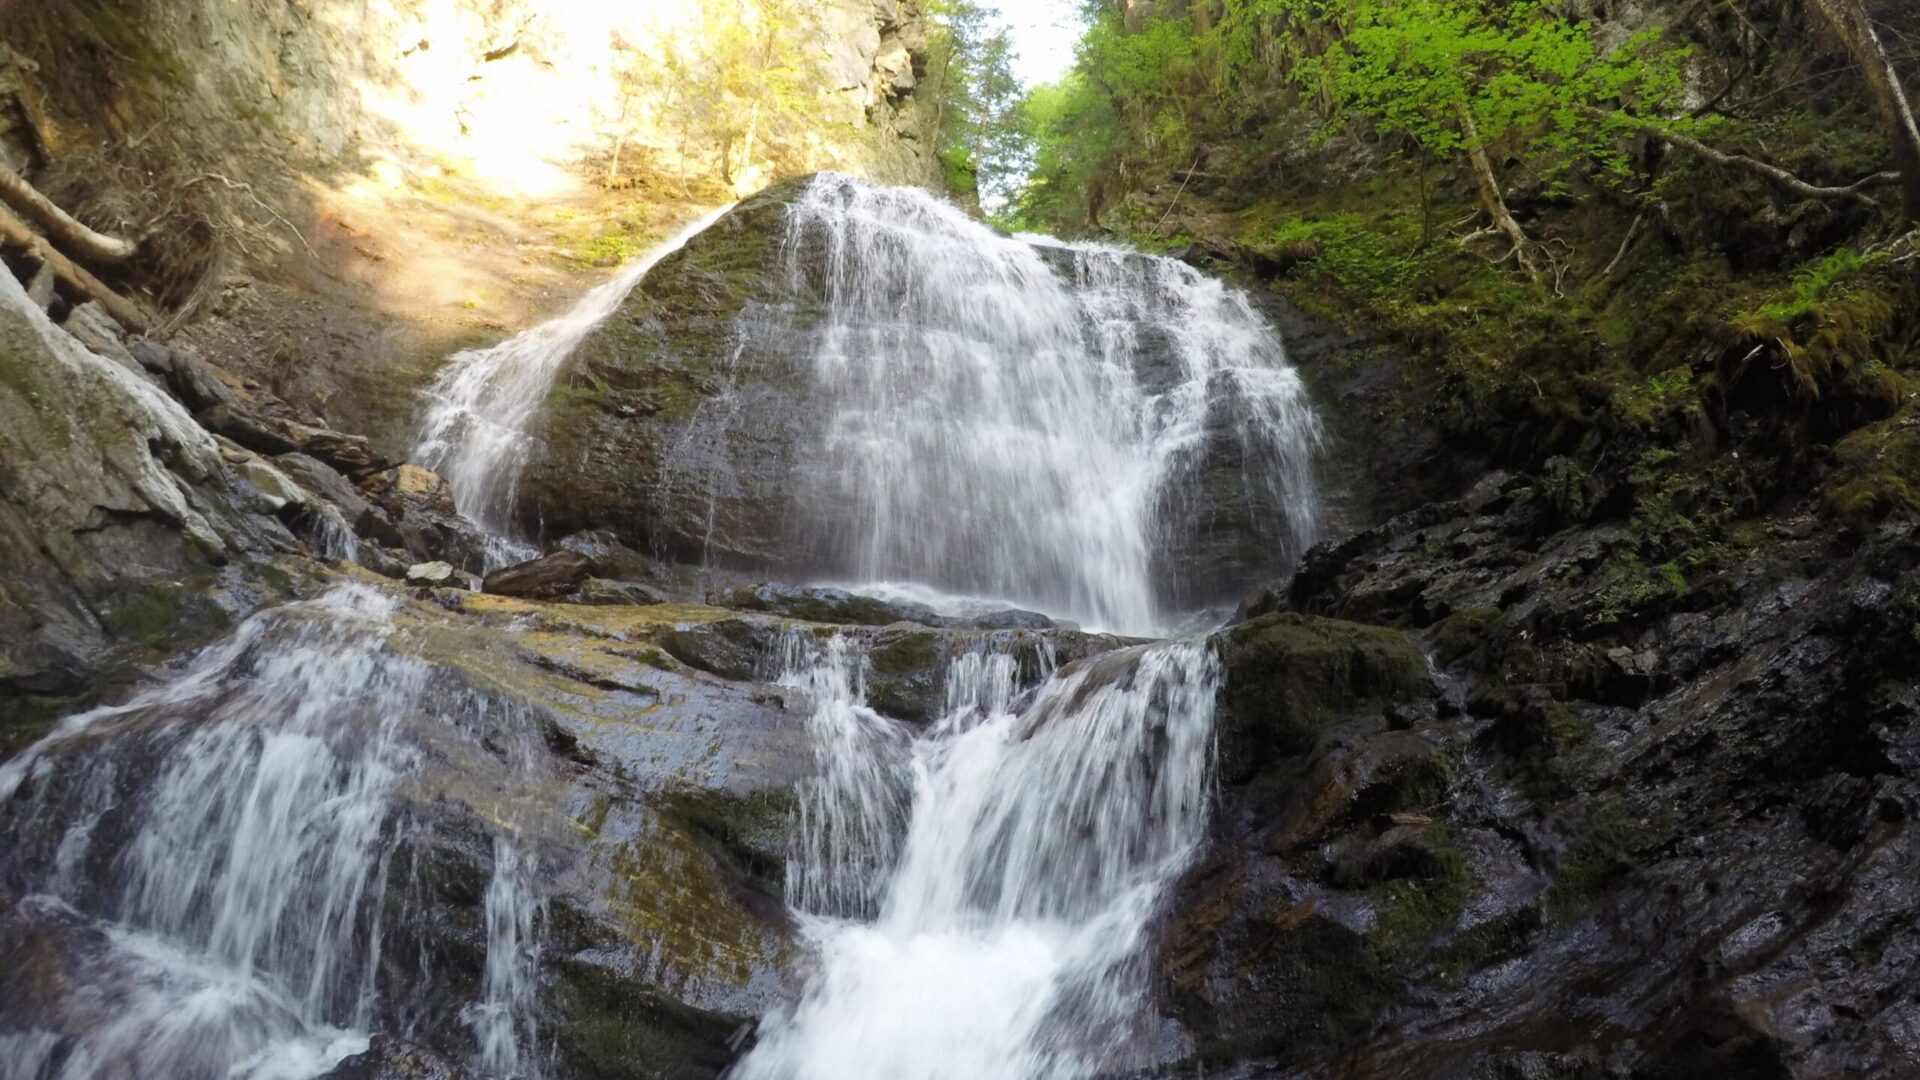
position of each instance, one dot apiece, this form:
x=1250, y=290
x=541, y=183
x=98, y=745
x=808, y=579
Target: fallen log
x=15, y=234
x=61, y=226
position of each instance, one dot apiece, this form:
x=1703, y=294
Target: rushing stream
x=1015, y=418
x=979, y=896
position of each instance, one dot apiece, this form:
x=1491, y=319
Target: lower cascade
x=978, y=897
x=208, y=873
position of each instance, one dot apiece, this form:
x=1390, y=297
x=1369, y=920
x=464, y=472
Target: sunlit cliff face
x=518, y=94
x=513, y=100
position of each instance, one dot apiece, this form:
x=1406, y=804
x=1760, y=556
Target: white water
x=232, y=922
x=481, y=404
x=1011, y=862
x=1020, y=420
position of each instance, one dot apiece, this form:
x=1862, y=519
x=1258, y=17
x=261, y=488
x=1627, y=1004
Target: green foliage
x=1075, y=135
x=1442, y=77
x=1430, y=78
x=741, y=94
x=982, y=146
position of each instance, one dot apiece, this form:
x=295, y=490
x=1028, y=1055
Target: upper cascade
x=1016, y=418
x=858, y=384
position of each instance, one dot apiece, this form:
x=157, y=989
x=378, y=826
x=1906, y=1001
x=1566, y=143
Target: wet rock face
x=693, y=425
x=1640, y=832
x=652, y=800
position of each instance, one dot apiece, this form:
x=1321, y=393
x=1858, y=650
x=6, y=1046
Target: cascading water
x=211, y=860
x=1067, y=428
x=1070, y=428
x=475, y=433
x=979, y=897
x=1022, y=419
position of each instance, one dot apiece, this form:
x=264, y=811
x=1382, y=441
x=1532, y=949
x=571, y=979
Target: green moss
x=909, y=654
x=1291, y=676
x=1413, y=910
x=612, y=1025
x=748, y=833
x=161, y=615
x=1474, y=637
x=1599, y=859
x=1830, y=320
x=669, y=896
x=1492, y=942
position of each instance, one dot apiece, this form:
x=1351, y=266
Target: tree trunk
x=83, y=242
x=1849, y=22
x=753, y=127
x=1491, y=200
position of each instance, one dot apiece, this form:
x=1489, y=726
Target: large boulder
x=692, y=422
x=667, y=428
x=121, y=522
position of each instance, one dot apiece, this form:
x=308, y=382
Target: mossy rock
x=1290, y=677
x=610, y=1028
x=1879, y=471
x=906, y=674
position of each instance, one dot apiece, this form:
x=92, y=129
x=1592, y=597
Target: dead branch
x=16, y=234
x=1772, y=173
x=1633, y=231
x=59, y=225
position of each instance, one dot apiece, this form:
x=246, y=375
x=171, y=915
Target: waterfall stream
x=979, y=897
x=1021, y=419
x=207, y=874
x=213, y=861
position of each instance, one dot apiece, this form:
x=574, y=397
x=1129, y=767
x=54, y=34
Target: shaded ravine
x=1000, y=420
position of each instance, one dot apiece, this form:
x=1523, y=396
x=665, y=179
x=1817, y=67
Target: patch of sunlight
x=518, y=102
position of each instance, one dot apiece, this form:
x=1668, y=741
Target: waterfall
x=211, y=861
x=1060, y=427
x=1017, y=418
x=1015, y=857
x=475, y=433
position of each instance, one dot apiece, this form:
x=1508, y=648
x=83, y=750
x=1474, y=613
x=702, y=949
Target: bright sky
x=1044, y=32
